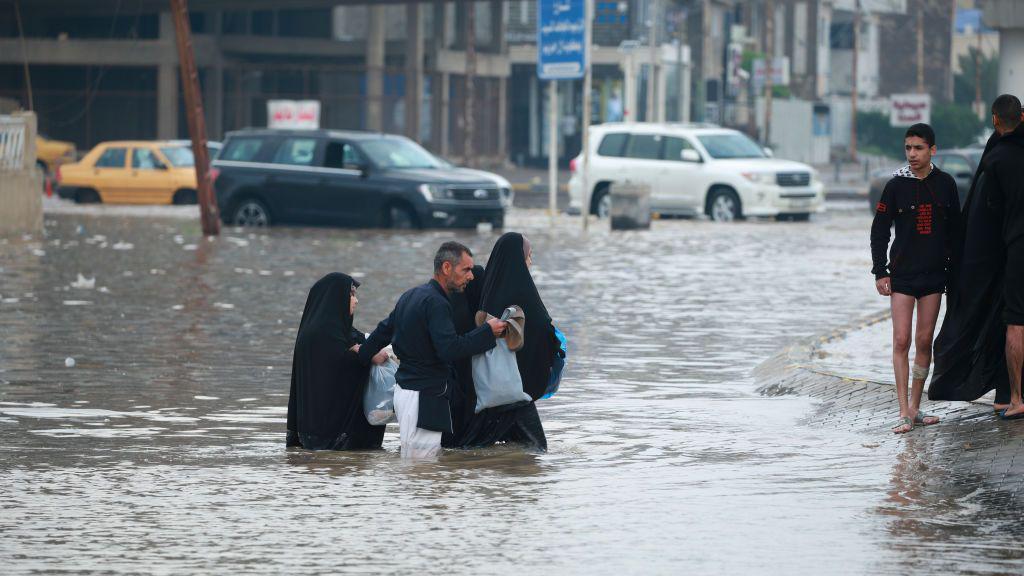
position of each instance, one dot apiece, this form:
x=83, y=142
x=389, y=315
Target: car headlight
x=433, y=192
x=815, y=178
x=760, y=177
x=506, y=197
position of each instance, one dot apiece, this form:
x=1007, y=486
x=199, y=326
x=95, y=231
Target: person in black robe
x=325, y=404
x=970, y=356
x=506, y=281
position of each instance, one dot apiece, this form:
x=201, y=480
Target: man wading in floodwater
x=922, y=202
x=422, y=333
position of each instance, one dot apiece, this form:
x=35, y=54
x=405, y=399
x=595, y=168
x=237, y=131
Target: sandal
x=905, y=421
x=919, y=419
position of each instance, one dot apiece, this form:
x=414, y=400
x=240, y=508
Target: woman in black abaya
x=506, y=281
x=325, y=404
x=970, y=357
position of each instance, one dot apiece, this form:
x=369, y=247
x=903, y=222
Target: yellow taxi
x=131, y=172
x=52, y=153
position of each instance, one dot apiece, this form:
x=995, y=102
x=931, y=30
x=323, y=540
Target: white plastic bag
x=496, y=378
x=379, y=399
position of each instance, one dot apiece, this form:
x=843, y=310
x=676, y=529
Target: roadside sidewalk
x=969, y=442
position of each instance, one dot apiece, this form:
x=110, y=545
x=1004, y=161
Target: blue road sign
x=561, y=27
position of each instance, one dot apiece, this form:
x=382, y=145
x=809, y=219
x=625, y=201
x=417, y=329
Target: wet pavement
x=162, y=448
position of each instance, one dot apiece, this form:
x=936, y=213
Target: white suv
x=695, y=169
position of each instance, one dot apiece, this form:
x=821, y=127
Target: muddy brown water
x=162, y=449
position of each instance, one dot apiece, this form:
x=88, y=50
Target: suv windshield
x=399, y=153
x=726, y=146
x=179, y=156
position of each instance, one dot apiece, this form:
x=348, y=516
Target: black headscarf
x=507, y=282
x=325, y=404
x=969, y=351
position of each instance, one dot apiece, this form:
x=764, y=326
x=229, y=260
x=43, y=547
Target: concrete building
x=1007, y=16
x=622, y=63
x=102, y=71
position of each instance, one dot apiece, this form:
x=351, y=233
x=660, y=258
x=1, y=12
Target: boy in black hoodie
x=923, y=203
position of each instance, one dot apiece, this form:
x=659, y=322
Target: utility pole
x=588, y=35
x=978, y=109
x=196, y=120
x=853, y=96
x=920, y=49
x=769, y=48
x=469, y=126
x=654, y=20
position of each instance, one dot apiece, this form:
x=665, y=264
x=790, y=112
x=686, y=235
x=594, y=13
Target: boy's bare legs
x=927, y=316
x=902, y=319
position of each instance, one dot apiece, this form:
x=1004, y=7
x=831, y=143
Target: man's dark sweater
x=1004, y=182
x=422, y=332
x=926, y=213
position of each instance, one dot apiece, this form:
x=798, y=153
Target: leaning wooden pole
x=196, y=120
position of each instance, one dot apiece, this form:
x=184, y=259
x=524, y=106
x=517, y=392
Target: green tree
x=955, y=126
x=963, y=83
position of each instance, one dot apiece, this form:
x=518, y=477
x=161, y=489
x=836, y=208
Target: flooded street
x=161, y=449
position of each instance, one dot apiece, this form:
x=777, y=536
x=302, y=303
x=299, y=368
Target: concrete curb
x=969, y=448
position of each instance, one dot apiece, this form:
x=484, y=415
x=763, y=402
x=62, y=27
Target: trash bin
x=631, y=206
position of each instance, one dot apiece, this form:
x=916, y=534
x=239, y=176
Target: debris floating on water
x=69, y=362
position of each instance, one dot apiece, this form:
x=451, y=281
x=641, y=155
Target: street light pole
x=654, y=21
x=769, y=61
x=853, y=96
x=588, y=17
x=469, y=124
x=196, y=121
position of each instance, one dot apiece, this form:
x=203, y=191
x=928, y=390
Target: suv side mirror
x=768, y=152
x=689, y=155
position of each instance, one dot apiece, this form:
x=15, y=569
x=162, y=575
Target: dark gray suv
x=353, y=179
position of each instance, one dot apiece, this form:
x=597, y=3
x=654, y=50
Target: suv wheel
x=723, y=205
x=602, y=203
x=400, y=218
x=251, y=212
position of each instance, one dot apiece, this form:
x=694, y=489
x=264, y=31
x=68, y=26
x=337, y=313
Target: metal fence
x=12, y=143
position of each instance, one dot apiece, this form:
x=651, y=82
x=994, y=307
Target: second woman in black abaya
x=506, y=281
x=325, y=404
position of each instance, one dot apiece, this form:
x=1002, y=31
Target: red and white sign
x=303, y=114
x=909, y=109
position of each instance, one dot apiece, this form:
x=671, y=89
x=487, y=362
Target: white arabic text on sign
x=561, y=30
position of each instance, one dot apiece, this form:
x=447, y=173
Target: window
x=297, y=151
x=144, y=159
x=954, y=165
x=644, y=147
x=674, y=148
x=725, y=146
x=242, y=149
x=112, y=158
x=180, y=156
x=342, y=155
x=612, y=145
x=399, y=153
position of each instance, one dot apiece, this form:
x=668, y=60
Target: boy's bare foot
x=906, y=424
